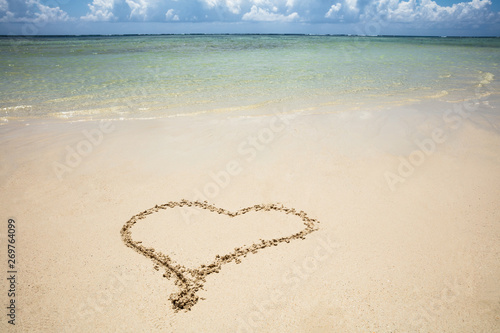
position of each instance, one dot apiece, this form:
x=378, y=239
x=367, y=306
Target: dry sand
x=409, y=250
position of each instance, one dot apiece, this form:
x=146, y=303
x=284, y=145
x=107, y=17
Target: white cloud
x=260, y=14
x=8, y=17
x=233, y=6
x=211, y=3
x=351, y=5
x=333, y=10
x=4, y=6
x=403, y=11
x=430, y=11
x=171, y=16
x=261, y=3
x=49, y=14
x=138, y=8
x=412, y=11
x=100, y=10
x=347, y=10
x=34, y=12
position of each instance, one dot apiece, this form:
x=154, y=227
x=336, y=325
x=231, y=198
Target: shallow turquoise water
x=158, y=76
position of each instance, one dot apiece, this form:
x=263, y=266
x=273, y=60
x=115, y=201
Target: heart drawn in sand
x=189, y=280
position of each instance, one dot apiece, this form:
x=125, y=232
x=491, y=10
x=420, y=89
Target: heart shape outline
x=186, y=298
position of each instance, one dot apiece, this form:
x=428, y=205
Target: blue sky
x=362, y=17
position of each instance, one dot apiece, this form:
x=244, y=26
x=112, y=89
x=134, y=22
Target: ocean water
x=122, y=77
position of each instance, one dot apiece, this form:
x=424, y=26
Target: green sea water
x=172, y=75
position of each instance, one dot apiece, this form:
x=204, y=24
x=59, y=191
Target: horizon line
x=238, y=34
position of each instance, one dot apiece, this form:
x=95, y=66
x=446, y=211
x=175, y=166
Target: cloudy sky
x=362, y=17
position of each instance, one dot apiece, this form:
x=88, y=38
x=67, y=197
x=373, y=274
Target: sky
x=359, y=17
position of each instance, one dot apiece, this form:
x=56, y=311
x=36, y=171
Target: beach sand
x=407, y=200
